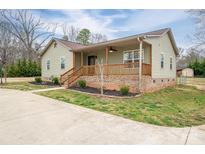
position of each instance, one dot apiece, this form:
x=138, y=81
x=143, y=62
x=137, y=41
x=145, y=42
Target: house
x=145, y=62
x=185, y=72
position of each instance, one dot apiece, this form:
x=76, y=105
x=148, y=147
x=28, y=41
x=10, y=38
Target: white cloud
x=130, y=20
x=83, y=19
x=150, y=19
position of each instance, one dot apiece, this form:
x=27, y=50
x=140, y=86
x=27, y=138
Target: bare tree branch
x=27, y=28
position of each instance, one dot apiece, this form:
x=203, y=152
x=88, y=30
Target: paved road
x=26, y=118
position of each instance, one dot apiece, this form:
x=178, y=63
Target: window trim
x=133, y=51
x=48, y=68
x=61, y=62
x=161, y=60
x=171, y=63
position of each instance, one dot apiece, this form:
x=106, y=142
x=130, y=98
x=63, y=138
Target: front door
x=91, y=61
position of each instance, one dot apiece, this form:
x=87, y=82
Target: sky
x=122, y=23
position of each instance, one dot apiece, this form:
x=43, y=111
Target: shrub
x=38, y=79
x=198, y=67
x=55, y=80
x=124, y=90
x=1, y=71
x=24, y=68
x=11, y=70
x=82, y=83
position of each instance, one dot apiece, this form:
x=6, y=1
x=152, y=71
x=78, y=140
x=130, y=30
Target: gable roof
x=67, y=44
x=76, y=47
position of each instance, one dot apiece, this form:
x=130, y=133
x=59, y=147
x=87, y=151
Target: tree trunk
x=5, y=74
x=102, y=82
x=1, y=80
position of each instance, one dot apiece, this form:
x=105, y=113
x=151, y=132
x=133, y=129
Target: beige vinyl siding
x=77, y=60
x=54, y=55
x=116, y=57
x=188, y=72
x=162, y=45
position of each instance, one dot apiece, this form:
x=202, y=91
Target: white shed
x=187, y=72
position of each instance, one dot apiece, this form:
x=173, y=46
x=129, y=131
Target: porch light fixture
x=112, y=50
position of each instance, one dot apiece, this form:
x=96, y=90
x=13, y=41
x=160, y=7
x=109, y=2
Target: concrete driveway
x=26, y=118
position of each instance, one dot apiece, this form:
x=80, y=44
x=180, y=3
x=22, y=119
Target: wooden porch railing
x=118, y=69
x=75, y=75
x=111, y=69
x=65, y=75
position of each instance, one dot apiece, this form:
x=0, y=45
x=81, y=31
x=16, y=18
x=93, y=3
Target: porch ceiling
x=116, y=44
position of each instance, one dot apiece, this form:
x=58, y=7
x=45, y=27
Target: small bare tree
x=70, y=33
x=6, y=47
x=100, y=69
x=28, y=29
x=1, y=75
x=198, y=38
x=98, y=37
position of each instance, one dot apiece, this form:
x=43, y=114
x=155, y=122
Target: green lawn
x=179, y=107
x=25, y=86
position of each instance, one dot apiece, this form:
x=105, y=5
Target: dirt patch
x=201, y=87
x=97, y=91
x=45, y=83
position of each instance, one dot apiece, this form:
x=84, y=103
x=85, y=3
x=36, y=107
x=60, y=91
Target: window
x=170, y=63
x=62, y=63
x=48, y=64
x=162, y=61
x=132, y=56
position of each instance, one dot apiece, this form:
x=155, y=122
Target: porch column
x=106, y=55
x=81, y=58
x=140, y=65
x=73, y=59
x=106, y=60
x=150, y=60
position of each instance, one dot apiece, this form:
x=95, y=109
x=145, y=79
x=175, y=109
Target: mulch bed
x=97, y=91
x=50, y=84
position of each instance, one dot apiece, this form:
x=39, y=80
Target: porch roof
x=112, y=43
x=130, y=40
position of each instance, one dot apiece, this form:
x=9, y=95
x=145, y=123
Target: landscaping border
x=106, y=96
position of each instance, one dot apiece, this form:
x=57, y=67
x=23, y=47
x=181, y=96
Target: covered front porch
x=121, y=58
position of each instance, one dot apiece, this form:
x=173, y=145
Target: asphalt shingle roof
x=72, y=45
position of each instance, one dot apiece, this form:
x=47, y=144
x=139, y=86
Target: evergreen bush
x=38, y=80
x=124, y=90
x=55, y=80
x=24, y=68
x=82, y=83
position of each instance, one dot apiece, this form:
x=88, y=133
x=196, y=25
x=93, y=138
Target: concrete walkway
x=26, y=118
x=46, y=89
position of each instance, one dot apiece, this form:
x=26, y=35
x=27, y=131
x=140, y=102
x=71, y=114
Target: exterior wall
x=117, y=56
x=188, y=72
x=77, y=60
x=54, y=55
x=150, y=85
x=162, y=45
x=114, y=82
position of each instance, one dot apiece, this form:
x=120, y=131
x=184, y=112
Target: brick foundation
x=150, y=84
x=114, y=82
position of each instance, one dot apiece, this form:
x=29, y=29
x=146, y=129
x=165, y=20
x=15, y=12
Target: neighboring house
x=186, y=72
x=122, y=63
